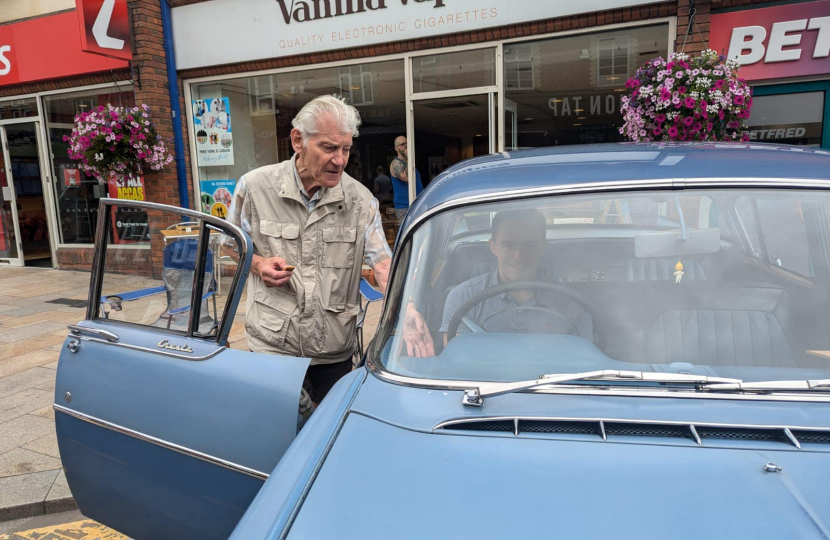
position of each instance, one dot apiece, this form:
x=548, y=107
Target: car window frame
x=206, y=221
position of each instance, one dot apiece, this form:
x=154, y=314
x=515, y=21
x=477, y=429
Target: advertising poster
x=72, y=177
x=212, y=125
x=129, y=225
x=216, y=196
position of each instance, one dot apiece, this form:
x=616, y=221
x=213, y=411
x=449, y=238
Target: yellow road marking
x=77, y=530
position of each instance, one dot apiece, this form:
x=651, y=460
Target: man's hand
x=271, y=270
x=416, y=334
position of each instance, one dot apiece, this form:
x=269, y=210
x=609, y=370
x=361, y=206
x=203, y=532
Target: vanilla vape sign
x=259, y=29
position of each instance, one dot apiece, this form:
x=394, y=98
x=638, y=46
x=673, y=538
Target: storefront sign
x=216, y=196
x=212, y=124
x=587, y=105
x=257, y=29
x=776, y=42
x=26, y=56
x=105, y=27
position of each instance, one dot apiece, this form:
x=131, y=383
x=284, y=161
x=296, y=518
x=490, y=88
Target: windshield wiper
x=821, y=385
x=475, y=396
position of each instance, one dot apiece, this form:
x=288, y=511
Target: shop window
x=788, y=118
x=577, y=81
x=451, y=71
x=18, y=108
x=518, y=67
x=612, y=60
x=243, y=124
x=77, y=194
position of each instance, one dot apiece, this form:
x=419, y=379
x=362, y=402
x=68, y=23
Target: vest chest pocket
x=339, y=246
x=281, y=236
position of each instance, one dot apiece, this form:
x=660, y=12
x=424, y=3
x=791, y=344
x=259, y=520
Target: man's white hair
x=307, y=119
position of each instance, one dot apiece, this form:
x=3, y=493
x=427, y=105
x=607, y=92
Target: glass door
x=9, y=234
x=24, y=229
x=449, y=130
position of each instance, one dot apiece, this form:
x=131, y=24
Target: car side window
x=152, y=260
x=785, y=235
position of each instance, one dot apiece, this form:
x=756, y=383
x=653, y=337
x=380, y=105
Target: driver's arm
x=458, y=295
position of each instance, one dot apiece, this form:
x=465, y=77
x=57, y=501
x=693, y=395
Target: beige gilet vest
x=314, y=315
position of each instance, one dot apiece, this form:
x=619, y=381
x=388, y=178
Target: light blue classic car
x=630, y=341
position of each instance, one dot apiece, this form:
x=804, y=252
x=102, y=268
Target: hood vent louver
x=699, y=433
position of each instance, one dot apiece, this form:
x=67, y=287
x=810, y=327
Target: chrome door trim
x=109, y=336
x=163, y=444
x=162, y=352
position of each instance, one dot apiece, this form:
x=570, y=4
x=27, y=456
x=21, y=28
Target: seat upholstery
x=718, y=337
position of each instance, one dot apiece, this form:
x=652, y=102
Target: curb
x=52, y=506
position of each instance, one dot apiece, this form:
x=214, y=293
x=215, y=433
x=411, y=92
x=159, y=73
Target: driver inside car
x=518, y=240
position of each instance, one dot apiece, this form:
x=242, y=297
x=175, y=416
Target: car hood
x=384, y=481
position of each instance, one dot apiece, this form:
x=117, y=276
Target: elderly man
x=313, y=226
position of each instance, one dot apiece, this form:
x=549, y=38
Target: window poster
x=212, y=125
x=216, y=196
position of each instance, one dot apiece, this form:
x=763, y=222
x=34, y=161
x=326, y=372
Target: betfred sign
x=776, y=42
x=26, y=56
x=105, y=27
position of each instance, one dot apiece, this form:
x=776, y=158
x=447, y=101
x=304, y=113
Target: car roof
x=583, y=164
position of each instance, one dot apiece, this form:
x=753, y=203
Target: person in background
x=400, y=180
x=313, y=227
x=383, y=186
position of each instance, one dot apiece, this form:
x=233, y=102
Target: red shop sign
x=26, y=56
x=105, y=27
x=776, y=42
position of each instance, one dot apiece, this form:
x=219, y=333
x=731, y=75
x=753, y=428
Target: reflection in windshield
x=718, y=283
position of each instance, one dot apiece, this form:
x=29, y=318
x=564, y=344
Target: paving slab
x=11, y=335
x=28, y=345
x=24, y=380
x=30, y=309
x=26, y=429
x=23, y=495
x=19, y=461
x=42, y=357
x=24, y=402
x=46, y=445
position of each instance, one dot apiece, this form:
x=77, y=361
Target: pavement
x=36, y=305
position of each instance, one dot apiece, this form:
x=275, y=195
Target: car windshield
x=722, y=283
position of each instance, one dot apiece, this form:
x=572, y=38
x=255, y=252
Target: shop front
x=451, y=102
x=785, y=53
x=46, y=202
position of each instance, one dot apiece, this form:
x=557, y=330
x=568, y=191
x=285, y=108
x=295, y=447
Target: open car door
x=164, y=431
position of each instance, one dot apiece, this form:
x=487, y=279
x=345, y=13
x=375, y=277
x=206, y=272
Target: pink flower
x=689, y=102
x=697, y=127
x=688, y=120
x=673, y=132
x=682, y=89
x=745, y=137
x=709, y=126
x=738, y=100
x=721, y=114
x=657, y=131
x=660, y=118
x=632, y=83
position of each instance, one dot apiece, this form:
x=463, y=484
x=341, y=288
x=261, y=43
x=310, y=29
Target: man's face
x=517, y=249
x=400, y=146
x=326, y=155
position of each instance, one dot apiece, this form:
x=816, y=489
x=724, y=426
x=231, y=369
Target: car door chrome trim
x=154, y=351
x=109, y=336
x=213, y=460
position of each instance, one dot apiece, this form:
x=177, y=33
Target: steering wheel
x=503, y=288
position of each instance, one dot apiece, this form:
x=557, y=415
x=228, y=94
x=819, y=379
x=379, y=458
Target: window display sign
x=71, y=178
x=216, y=196
x=212, y=126
x=131, y=189
x=776, y=42
x=787, y=118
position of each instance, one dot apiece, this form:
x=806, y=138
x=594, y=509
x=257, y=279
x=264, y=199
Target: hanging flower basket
x=697, y=99
x=116, y=142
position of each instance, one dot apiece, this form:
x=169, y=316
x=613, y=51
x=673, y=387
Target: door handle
x=109, y=336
